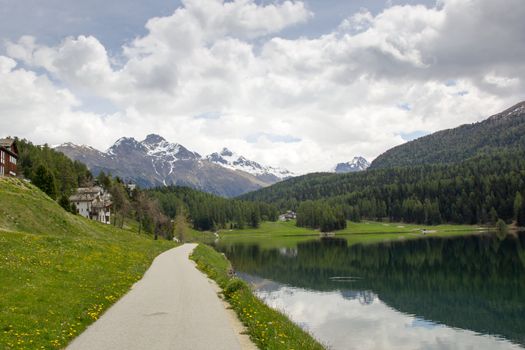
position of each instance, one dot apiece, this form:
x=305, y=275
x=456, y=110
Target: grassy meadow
x=286, y=234
x=59, y=272
x=268, y=328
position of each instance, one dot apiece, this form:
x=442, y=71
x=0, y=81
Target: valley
x=262, y=174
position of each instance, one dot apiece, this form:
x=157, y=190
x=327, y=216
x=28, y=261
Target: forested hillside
x=51, y=171
x=209, y=212
x=505, y=130
x=479, y=190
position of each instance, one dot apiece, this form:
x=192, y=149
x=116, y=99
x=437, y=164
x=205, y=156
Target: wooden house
x=8, y=157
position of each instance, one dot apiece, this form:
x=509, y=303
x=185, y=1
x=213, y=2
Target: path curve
x=174, y=306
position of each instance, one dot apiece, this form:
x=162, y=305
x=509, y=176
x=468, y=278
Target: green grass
x=286, y=234
x=196, y=236
x=268, y=328
x=59, y=272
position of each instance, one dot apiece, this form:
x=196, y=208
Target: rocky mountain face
x=356, y=164
x=157, y=162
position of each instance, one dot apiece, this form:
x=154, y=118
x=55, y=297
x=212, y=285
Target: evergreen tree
x=521, y=215
x=64, y=203
x=255, y=218
x=518, y=204
x=45, y=180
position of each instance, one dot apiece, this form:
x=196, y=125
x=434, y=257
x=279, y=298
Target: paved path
x=174, y=306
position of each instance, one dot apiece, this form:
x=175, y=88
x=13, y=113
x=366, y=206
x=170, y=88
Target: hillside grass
x=287, y=234
x=268, y=328
x=59, y=272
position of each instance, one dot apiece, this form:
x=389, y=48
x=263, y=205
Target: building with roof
x=92, y=203
x=8, y=157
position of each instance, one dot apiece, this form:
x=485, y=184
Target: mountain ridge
x=504, y=130
x=155, y=161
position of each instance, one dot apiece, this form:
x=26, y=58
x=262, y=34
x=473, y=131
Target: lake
x=464, y=292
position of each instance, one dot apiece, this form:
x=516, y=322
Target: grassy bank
x=286, y=234
x=59, y=272
x=268, y=328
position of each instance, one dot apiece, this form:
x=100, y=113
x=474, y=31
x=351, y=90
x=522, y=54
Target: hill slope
x=474, y=191
x=59, y=271
x=505, y=130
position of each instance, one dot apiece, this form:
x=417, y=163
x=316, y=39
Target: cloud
x=216, y=73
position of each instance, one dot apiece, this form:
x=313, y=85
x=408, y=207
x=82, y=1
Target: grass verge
x=268, y=328
x=59, y=272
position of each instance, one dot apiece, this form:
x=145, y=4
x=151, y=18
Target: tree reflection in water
x=473, y=282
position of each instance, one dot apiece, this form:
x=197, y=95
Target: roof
x=7, y=142
x=90, y=194
x=9, y=145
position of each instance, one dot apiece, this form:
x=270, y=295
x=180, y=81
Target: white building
x=289, y=215
x=93, y=203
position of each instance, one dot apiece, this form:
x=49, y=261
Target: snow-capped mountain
x=233, y=161
x=356, y=164
x=156, y=162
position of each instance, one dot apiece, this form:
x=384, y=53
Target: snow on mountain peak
x=231, y=160
x=157, y=146
x=356, y=164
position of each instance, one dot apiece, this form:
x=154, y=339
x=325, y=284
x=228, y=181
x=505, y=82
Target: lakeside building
x=289, y=215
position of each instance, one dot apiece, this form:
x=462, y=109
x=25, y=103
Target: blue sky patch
x=409, y=136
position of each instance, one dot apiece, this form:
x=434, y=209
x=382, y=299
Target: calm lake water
x=436, y=293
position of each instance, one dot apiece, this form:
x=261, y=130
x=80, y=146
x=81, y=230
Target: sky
x=297, y=84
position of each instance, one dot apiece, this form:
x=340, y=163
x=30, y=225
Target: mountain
x=468, y=175
x=505, y=130
x=156, y=162
x=356, y=164
x=233, y=161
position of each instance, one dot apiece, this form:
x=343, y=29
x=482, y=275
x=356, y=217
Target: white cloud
x=348, y=323
x=339, y=94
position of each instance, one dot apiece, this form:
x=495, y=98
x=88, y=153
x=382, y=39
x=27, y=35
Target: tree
x=140, y=205
x=181, y=225
x=121, y=204
x=255, y=218
x=501, y=229
x=45, y=180
x=493, y=216
x=104, y=180
x=518, y=204
x=64, y=203
x=520, y=218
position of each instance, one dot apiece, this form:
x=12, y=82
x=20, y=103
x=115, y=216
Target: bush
x=234, y=285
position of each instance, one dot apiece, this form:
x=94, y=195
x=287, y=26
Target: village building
x=92, y=203
x=289, y=215
x=8, y=157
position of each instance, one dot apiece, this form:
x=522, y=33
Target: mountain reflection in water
x=438, y=293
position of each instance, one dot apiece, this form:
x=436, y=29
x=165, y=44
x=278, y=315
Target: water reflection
x=436, y=293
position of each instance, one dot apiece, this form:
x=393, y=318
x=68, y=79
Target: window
x=2, y=157
x=12, y=159
x=1, y=170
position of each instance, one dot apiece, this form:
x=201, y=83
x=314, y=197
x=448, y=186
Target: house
x=8, y=157
x=289, y=215
x=92, y=203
